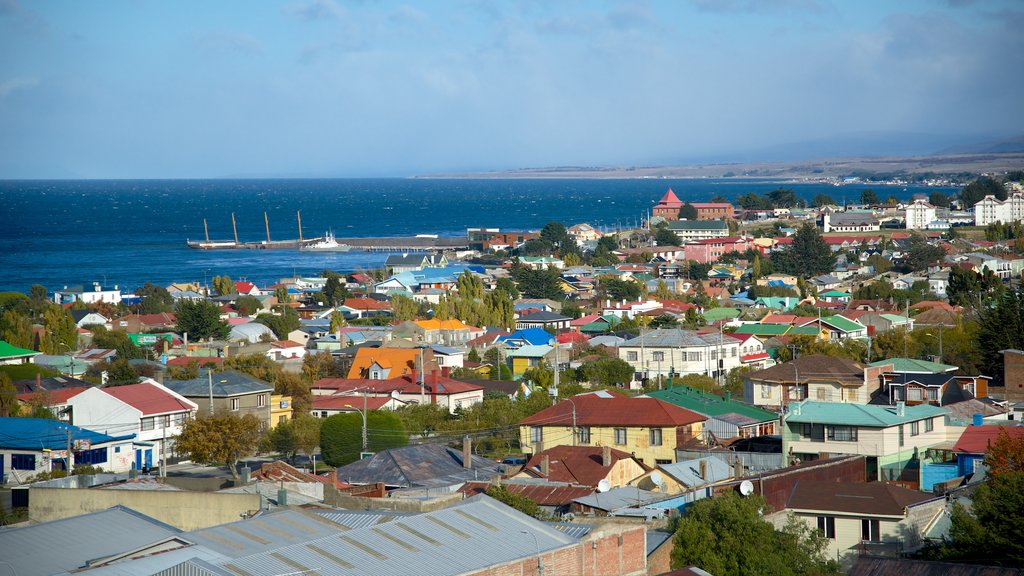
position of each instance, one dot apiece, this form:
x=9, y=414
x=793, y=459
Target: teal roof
x=858, y=414
x=763, y=329
x=915, y=366
x=780, y=302
x=842, y=323
x=834, y=294
x=710, y=404
x=11, y=351
x=894, y=318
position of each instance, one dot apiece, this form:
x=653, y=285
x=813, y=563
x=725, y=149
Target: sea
x=127, y=232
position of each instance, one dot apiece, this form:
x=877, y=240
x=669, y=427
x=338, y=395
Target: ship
x=327, y=244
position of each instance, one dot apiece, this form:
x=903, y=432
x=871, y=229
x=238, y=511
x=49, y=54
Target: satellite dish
x=746, y=488
x=604, y=485
x=657, y=478
x=395, y=394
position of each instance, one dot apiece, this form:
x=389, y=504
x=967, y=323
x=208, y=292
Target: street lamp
x=939, y=339
x=536, y=544
x=363, y=414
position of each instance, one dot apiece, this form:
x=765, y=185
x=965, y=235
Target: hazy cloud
x=761, y=6
x=316, y=10
x=8, y=87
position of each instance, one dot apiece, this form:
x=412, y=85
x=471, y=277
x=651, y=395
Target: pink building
x=710, y=250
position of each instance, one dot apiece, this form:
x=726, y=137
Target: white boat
x=328, y=244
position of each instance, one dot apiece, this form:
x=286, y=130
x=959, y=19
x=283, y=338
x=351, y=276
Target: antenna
x=746, y=488
x=604, y=485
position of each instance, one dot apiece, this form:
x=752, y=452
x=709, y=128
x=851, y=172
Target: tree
x=155, y=299
x=341, y=435
x=938, y=199
x=61, y=332
x=983, y=186
x=422, y=420
x=317, y=365
x=571, y=309
x=687, y=212
x=869, y=197
x=121, y=372
x=16, y=329
x=116, y=340
x=282, y=295
x=555, y=234
x=8, y=397
x=752, y=201
x=509, y=286
x=220, y=438
x=821, y=200
x=727, y=536
x=248, y=305
x=545, y=283
x=404, y=308
x=282, y=324
x=618, y=289
x=282, y=440
x=990, y=532
x=306, y=431
x=608, y=372
x=666, y=237
x=809, y=255
x=921, y=253
x=1005, y=455
x=200, y=320
x=517, y=501
x=699, y=382
x=1001, y=327
x=335, y=291
x=223, y=285
x=783, y=198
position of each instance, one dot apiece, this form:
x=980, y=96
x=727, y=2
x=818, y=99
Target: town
x=728, y=387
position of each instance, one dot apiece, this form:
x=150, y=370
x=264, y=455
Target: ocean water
x=127, y=232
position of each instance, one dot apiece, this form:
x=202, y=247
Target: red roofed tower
x=668, y=207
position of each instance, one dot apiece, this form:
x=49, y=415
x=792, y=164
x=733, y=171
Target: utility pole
x=68, y=461
x=209, y=379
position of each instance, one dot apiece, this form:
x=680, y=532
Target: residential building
x=232, y=392
x=726, y=418
x=354, y=308
x=583, y=233
x=669, y=352
x=452, y=332
x=88, y=295
x=286, y=350
x=13, y=355
x=327, y=406
x=584, y=466
x=280, y=409
x=151, y=412
x=937, y=389
x=815, y=376
x=689, y=230
x=990, y=209
x=543, y=320
x=849, y=222
x=87, y=317
x=858, y=518
x=648, y=428
x=434, y=387
x=626, y=309
x=890, y=437
x=974, y=443
x=385, y=363
x=920, y=214
x=30, y=446
x=711, y=249
x=525, y=358
x=431, y=465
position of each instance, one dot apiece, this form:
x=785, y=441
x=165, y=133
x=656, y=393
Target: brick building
x=1013, y=375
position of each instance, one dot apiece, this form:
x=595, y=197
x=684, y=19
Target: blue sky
x=156, y=89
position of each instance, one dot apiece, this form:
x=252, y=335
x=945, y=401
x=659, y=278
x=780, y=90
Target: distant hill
x=1003, y=146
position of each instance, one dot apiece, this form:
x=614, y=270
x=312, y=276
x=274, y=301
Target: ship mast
x=267, y=222
x=206, y=230
x=234, y=227
x=298, y=214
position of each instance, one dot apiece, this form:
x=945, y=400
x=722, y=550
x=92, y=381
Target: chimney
x=704, y=470
x=606, y=456
x=446, y=371
x=545, y=464
x=436, y=379
x=496, y=481
x=467, y=452
x=737, y=468
x=39, y=382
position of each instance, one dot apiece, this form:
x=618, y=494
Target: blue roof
x=533, y=336
x=43, y=433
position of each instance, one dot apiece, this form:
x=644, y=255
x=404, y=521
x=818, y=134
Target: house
x=452, y=332
x=543, y=320
x=892, y=438
x=385, y=363
x=689, y=230
x=835, y=296
x=877, y=322
x=251, y=332
x=398, y=263
x=816, y=376
x=920, y=215
x=541, y=262
x=584, y=466
x=626, y=309
x=13, y=355
x=434, y=387
x=709, y=250
x=849, y=222
x=145, y=322
x=858, y=518
x=280, y=409
x=938, y=389
x=726, y=418
x=583, y=233
x=87, y=317
x=232, y=391
x=915, y=366
x=525, y=358
x=432, y=466
x=648, y=428
x=694, y=477
x=974, y=444
x=673, y=351
x=364, y=308
x=151, y=412
x=448, y=357
x=286, y=350
x=92, y=295
x=244, y=288
x=327, y=406
x=838, y=327
x=525, y=337
x=30, y=446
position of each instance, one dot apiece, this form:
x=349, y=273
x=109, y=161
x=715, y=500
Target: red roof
x=609, y=409
x=285, y=344
x=349, y=402
x=433, y=383
x=244, y=287
x=59, y=396
x=572, y=337
x=542, y=494
x=575, y=464
x=670, y=200
x=366, y=304
x=977, y=439
x=709, y=205
x=584, y=320
x=149, y=399
x=753, y=357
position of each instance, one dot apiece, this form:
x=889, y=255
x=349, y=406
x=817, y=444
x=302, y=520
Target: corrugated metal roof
x=688, y=471
x=618, y=498
x=353, y=519
x=227, y=383
x=262, y=533
x=857, y=414
x=67, y=544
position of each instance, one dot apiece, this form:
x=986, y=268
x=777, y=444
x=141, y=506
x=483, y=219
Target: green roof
x=842, y=323
x=834, y=294
x=710, y=404
x=763, y=329
x=715, y=314
x=780, y=302
x=915, y=366
x=858, y=414
x=698, y=225
x=10, y=351
x=804, y=331
x=894, y=318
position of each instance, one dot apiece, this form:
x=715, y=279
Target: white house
x=680, y=352
x=285, y=349
x=30, y=446
x=90, y=295
x=920, y=214
x=154, y=413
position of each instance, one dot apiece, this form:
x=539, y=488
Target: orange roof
x=399, y=360
x=435, y=324
x=285, y=344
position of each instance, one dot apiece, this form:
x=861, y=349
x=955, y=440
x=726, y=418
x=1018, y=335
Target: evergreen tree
x=687, y=212
x=809, y=255
x=61, y=332
x=200, y=320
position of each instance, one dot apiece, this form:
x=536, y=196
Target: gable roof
x=399, y=360
x=11, y=351
x=417, y=466
x=535, y=336
x=687, y=472
x=861, y=498
x=543, y=316
x=604, y=408
x=582, y=465
x=54, y=397
x=227, y=383
x=914, y=366
x=710, y=404
x=813, y=366
x=871, y=416
x=149, y=398
x=977, y=439
x=543, y=493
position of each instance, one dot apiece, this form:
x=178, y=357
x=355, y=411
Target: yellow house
x=280, y=409
x=648, y=428
x=527, y=357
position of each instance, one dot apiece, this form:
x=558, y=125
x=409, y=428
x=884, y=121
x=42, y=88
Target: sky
x=324, y=88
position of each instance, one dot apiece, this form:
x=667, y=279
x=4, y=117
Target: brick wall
x=609, y=551
x=1013, y=376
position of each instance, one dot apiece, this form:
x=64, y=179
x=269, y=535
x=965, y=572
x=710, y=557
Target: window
x=658, y=356
x=584, y=434
x=929, y=425
x=821, y=394
x=234, y=404
x=714, y=354
x=901, y=434
x=932, y=394
x=655, y=436
x=735, y=351
x=165, y=421
x=261, y=400
x=323, y=414
x=852, y=395
x=842, y=433
x=827, y=526
x=97, y=456
x=915, y=428
x=23, y=461
x=816, y=432
x=913, y=394
x=536, y=434
x=620, y=436
x=148, y=423
x=693, y=356
x=870, y=531
x=631, y=356
x=660, y=461
x=766, y=391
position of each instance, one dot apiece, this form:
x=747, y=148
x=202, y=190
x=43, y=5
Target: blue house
x=30, y=446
